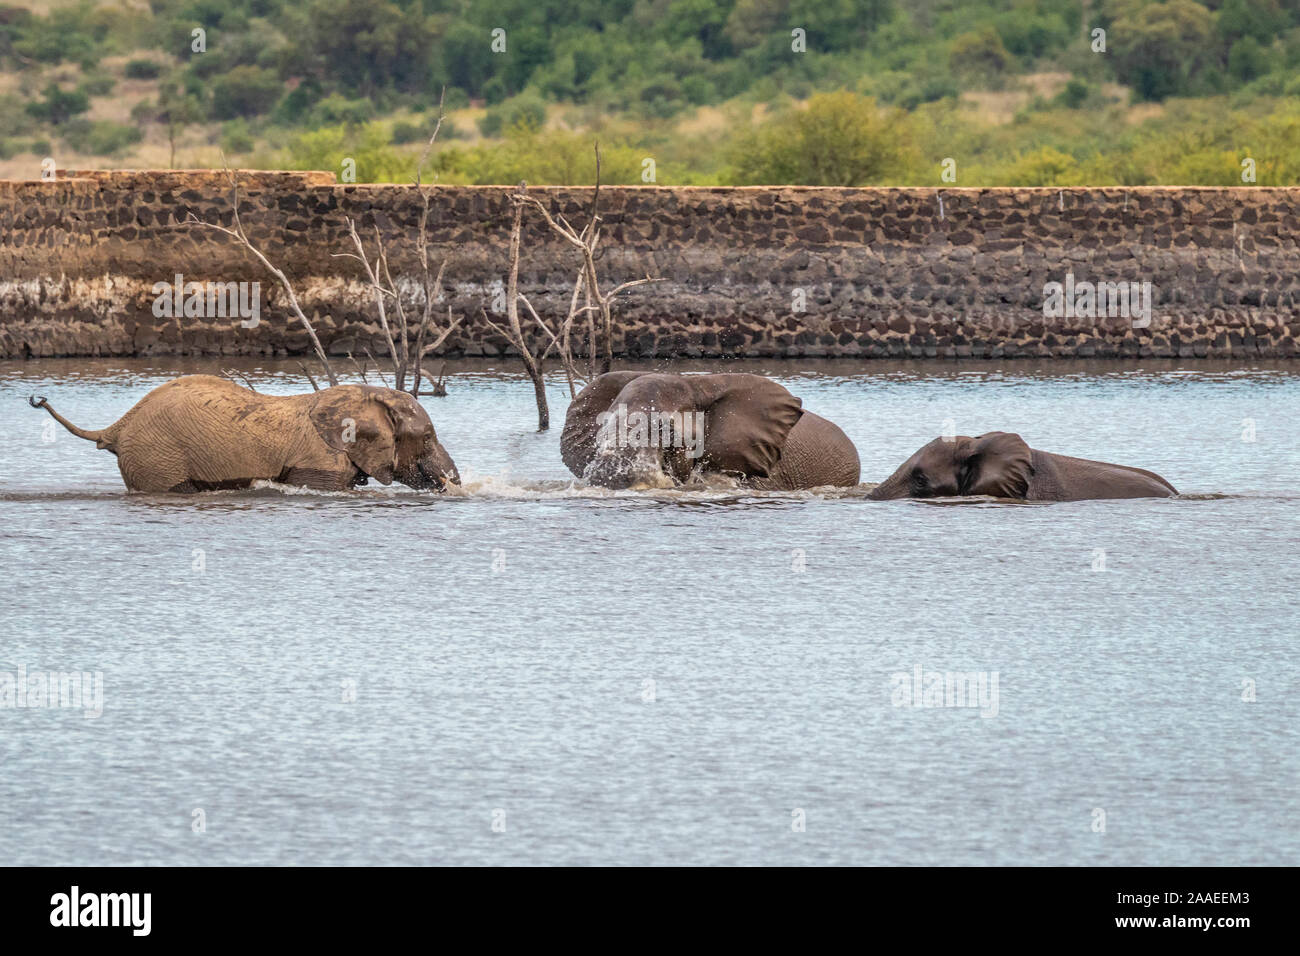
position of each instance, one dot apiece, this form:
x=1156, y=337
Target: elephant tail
x=98, y=437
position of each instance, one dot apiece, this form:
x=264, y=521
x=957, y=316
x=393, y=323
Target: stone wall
x=790, y=271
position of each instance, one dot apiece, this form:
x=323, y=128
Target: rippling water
x=670, y=676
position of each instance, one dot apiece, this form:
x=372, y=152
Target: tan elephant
x=202, y=433
x=650, y=429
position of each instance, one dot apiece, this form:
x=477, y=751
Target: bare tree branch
x=597, y=304
x=378, y=289
x=230, y=373
x=428, y=147
x=378, y=369
x=238, y=233
x=314, y=386
x=361, y=369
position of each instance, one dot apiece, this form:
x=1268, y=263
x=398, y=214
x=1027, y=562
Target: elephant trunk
x=623, y=469
x=892, y=488
x=439, y=470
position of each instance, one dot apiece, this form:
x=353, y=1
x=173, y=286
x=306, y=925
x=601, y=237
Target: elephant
x=1001, y=465
x=650, y=429
x=204, y=433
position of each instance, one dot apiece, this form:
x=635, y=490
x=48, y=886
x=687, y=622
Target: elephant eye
x=920, y=482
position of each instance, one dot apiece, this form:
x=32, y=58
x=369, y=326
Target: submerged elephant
x=649, y=429
x=202, y=433
x=1001, y=465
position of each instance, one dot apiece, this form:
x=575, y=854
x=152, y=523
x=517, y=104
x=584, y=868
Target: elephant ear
x=997, y=464
x=747, y=420
x=407, y=416
x=354, y=420
x=581, y=424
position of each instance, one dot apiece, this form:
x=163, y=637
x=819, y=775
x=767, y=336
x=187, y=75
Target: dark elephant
x=1001, y=465
x=650, y=429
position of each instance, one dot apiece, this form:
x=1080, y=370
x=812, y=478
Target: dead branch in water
x=378, y=369
x=230, y=373
x=597, y=303
x=439, y=384
x=239, y=234
x=432, y=288
x=595, y=307
x=534, y=364
x=361, y=369
x=380, y=279
x=314, y=386
x=587, y=301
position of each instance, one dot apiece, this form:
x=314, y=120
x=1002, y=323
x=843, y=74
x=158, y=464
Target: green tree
x=245, y=91
x=176, y=108
x=362, y=46
x=1246, y=59
x=979, y=55
x=57, y=106
x=1160, y=48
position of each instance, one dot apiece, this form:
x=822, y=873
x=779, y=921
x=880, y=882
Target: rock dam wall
x=755, y=272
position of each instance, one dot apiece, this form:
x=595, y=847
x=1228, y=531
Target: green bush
x=1043, y=167
x=97, y=84
x=526, y=111
x=1075, y=94
x=367, y=146
x=404, y=133
x=100, y=138
x=838, y=139
x=236, y=137
x=142, y=70
x=15, y=118
x=335, y=110
x=542, y=158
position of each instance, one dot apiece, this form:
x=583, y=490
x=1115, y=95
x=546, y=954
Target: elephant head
x=1001, y=465
x=997, y=464
x=386, y=434
x=646, y=429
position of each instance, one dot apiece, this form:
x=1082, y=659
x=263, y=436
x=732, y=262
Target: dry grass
x=994, y=107
x=1141, y=113
x=705, y=121
x=126, y=94
x=1045, y=85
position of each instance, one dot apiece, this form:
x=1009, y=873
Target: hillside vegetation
x=821, y=92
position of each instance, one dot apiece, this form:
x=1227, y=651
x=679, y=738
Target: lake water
x=548, y=673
